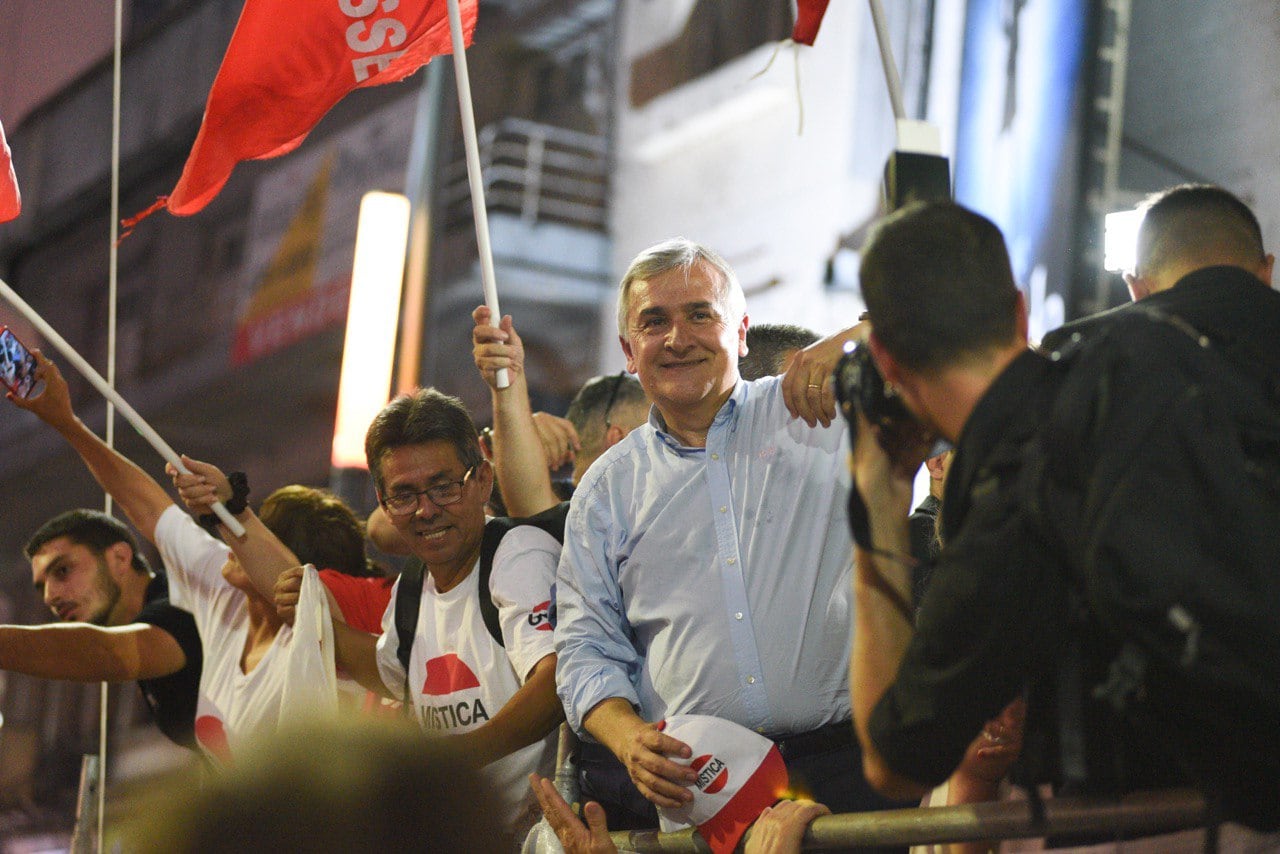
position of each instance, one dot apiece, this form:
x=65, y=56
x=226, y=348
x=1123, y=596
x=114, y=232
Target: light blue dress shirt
x=712, y=580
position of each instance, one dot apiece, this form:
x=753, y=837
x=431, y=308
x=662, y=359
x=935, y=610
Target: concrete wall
x=769, y=163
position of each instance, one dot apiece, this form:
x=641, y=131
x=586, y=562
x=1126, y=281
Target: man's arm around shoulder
x=807, y=389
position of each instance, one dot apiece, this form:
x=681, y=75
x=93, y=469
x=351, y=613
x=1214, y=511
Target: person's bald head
x=1191, y=227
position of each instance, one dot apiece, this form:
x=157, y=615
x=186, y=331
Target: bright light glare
x=372, y=318
x=1120, y=240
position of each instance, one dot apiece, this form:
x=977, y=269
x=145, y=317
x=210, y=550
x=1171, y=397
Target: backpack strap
x=408, y=600
x=551, y=521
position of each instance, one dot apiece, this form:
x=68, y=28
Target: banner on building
x=302, y=229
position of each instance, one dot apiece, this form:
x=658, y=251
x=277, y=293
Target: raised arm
x=260, y=553
x=80, y=652
x=882, y=593
x=518, y=457
x=141, y=498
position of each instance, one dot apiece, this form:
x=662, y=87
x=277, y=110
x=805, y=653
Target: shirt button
x=724, y=509
x=738, y=616
x=732, y=561
x=715, y=456
x=751, y=680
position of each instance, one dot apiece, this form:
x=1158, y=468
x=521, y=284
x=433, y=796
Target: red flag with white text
x=808, y=18
x=289, y=63
x=10, y=198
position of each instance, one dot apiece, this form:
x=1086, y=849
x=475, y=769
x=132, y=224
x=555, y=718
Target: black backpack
x=1157, y=475
x=409, y=593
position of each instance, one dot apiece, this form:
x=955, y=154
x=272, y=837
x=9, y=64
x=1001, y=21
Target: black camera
x=858, y=383
x=860, y=388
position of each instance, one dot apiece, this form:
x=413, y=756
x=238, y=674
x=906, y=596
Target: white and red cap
x=740, y=772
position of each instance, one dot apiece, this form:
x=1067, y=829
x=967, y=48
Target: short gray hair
x=673, y=254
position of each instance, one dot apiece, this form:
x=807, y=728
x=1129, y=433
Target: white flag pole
x=130, y=415
x=474, y=176
x=891, y=77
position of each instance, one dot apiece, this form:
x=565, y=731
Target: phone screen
x=17, y=365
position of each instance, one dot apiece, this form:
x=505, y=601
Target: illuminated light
x=795, y=792
x=373, y=315
x=1120, y=240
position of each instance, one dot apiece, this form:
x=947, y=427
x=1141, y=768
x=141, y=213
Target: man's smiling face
x=682, y=338
x=439, y=536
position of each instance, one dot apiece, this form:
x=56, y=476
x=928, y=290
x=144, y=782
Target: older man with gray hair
x=706, y=560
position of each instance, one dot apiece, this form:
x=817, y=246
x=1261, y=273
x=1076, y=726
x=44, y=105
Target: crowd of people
x=704, y=565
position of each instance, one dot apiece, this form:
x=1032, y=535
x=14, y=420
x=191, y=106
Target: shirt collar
x=726, y=417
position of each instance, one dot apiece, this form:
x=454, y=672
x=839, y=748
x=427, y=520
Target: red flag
x=10, y=198
x=289, y=63
x=808, y=18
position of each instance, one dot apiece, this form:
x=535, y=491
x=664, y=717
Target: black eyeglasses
x=613, y=396
x=440, y=494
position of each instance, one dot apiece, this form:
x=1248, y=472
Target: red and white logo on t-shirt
x=454, y=683
x=539, y=617
x=211, y=734
x=447, y=675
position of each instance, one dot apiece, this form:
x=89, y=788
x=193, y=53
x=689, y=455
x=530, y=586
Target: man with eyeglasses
x=495, y=697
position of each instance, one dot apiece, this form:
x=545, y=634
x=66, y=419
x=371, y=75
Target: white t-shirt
x=232, y=704
x=459, y=676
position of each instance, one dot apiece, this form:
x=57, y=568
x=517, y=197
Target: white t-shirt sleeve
x=193, y=561
x=389, y=666
x=524, y=568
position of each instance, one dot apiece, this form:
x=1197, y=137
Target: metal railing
x=1137, y=815
x=536, y=171
x=1133, y=816
x=85, y=838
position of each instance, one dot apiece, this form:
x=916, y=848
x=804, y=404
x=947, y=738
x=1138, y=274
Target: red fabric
x=289, y=63
x=10, y=198
x=808, y=18
x=361, y=600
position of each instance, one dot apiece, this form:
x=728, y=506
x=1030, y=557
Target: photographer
x=1041, y=523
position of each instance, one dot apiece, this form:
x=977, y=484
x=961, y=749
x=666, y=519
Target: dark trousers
x=825, y=764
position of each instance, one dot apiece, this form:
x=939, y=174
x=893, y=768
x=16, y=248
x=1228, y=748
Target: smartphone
x=17, y=365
